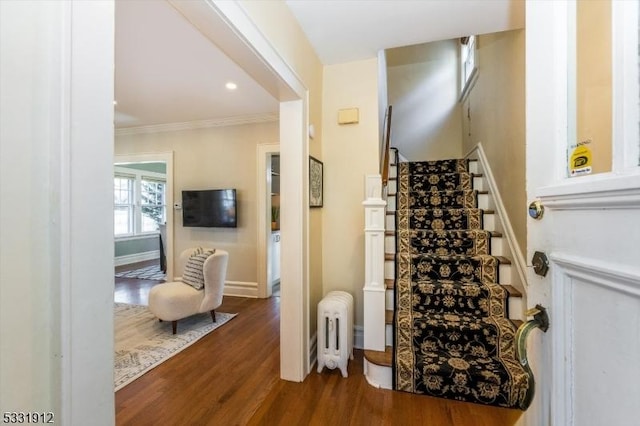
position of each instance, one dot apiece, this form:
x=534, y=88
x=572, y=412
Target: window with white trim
x=123, y=205
x=468, y=69
x=139, y=202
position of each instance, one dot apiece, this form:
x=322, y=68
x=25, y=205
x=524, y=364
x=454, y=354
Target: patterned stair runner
x=453, y=338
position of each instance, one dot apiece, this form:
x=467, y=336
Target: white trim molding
x=620, y=278
x=128, y=259
x=518, y=257
x=358, y=336
x=241, y=289
x=601, y=191
x=200, y=124
x=570, y=271
x=236, y=288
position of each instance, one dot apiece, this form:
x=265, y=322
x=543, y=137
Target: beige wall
x=423, y=90
x=494, y=114
x=220, y=157
x=275, y=20
x=594, y=80
x=350, y=151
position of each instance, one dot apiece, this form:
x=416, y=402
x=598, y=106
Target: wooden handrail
x=384, y=166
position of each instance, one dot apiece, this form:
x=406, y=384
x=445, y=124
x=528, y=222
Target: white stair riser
x=377, y=375
x=478, y=184
x=393, y=172
x=489, y=222
x=389, y=244
x=504, y=274
x=516, y=308
x=391, y=204
x=392, y=187
x=388, y=332
x=391, y=222
x=483, y=201
x=473, y=166
x=496, y=246
x=389, y=299
x=389, y=269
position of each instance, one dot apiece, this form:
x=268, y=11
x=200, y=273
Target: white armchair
x=176, y=300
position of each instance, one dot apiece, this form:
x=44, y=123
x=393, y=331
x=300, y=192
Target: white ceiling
x=349, y=30
x=168, y=72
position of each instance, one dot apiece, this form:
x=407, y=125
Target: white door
x=588, y=364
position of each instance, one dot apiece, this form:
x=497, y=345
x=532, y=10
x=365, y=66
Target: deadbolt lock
x=540, y=263
x=536, y=209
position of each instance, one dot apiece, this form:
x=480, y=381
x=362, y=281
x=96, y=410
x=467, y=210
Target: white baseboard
x=358, y=336
x=241, y=289
x=137, y=257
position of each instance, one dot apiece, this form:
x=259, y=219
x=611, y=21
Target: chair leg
x=213, y=315
x=174, y=325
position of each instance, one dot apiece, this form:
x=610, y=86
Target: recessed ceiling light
x=231, y=86
x=115, y=103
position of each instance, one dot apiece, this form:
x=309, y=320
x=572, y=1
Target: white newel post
x=374, y=290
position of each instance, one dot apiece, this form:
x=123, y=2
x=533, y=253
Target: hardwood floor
x=132, y=290
x=231, y=377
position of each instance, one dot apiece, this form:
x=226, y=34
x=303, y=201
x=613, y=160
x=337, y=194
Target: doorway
x=269, y=220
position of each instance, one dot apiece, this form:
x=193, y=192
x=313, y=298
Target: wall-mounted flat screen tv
x=210, y=208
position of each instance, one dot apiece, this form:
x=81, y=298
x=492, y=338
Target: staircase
x=448, y=328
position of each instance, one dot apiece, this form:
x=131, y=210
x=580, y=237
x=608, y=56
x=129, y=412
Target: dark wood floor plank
x=231, y=377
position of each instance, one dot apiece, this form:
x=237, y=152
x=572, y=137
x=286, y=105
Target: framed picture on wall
x=315, y=182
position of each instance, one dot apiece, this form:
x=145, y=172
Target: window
x=139, y=202
x=152, y=205
x=123, y=205
x=468, y=69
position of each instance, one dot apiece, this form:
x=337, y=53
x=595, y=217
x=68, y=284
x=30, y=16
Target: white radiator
x=335, y=331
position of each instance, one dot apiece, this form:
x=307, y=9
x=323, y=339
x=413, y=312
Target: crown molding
x=201, y=124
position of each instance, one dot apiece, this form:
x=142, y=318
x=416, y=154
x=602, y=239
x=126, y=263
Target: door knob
x=540, y=263
x=536, y=209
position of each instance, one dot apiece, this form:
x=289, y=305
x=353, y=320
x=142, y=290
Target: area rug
x=142, y=342
x=152, y=272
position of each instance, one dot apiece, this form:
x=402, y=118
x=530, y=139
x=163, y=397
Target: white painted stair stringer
x=501, y=223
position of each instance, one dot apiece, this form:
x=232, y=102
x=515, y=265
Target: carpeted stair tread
x=484, y=211
x=446, y=242
x=434, y=331
x=460, y=298
x=482, y=268
x=450, y=199
x=455, y=332
x=492, y=234
x=465, y=376
x=441, y=182
x=437, y=166
x=440, y=219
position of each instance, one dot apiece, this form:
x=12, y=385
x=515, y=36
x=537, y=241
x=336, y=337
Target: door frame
x=264, y=204
x=228, y=25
